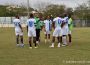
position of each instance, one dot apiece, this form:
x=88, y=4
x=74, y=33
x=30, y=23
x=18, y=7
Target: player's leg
x=34, y=38
x=30, y=39
x=64, y=40
x=17, y=37
x=34, y=41
x=48, y=36
x=21, y=39
x=37, y=35
x=64, y=36
x=17, y=40
x=58, y=38
x=70, y=37
x=30, y=42
x=45, y=37
x=53, y=39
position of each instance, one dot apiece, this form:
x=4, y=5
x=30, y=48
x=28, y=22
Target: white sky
x=33, y=3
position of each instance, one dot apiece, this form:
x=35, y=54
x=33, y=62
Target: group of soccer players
x=62, y=26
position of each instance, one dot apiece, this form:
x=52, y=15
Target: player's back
x=30, y=23
x=66, y=20
x=17, y=23
x=58, y=22
x=47, y=24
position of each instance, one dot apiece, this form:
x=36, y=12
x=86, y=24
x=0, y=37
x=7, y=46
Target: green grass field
x=12, y=55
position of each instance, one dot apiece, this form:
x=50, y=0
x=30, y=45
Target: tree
x=54, y=10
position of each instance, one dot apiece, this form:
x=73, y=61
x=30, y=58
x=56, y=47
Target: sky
x=34, y=3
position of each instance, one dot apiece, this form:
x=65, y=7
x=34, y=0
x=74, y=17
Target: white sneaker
x=63, y=45
x=37, y=42
x=30, y=47
x=52, y=46
x=58, y=45
x=18, y=45
x=36, y=47
x=22, y=45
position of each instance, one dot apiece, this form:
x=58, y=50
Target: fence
x=8, y=22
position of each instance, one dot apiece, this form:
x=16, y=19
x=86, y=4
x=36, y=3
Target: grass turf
x=12, y=55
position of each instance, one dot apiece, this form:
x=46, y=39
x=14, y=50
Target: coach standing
x=38, y=28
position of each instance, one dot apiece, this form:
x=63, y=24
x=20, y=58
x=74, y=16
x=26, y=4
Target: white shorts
x=32, y=33
x=18, y=32
x=65, y=30
x=57, y=32
x=47, y=32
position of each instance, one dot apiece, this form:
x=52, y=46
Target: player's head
x=60, y=15
x=65, y=15
x=69, y=16
x=48, y=17
x=31, y=15
x=17, y=16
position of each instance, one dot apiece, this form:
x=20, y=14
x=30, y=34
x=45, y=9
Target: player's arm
x=27, y=28
x=53, y=25
x=27, y=25
x=21, y=27
x=63, y=23
x=44, y=26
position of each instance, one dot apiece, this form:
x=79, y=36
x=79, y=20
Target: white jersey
x=16, y=24
x=31, y=23
x=48, y=24
x=66, y=21
x=58, y=22
x=65, y=27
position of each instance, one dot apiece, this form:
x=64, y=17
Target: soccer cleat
x=37, y=42
x=64, y=45
x=36, y=47
x=18, y=45
x=52, y=46
x=58, y=45
x=22, y=45
x=30, y=47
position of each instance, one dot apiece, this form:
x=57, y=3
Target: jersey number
x=16, y=24
x=59, y=21
x=30, y=23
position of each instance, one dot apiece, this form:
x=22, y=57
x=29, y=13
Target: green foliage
x=54, y=10
x=5, y=11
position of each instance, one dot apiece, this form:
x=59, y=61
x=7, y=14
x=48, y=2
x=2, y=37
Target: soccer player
x=65, y=30
x=31, y=31
x=70, y=25
x=57, y=31
x=47, y=28
x=18, y=31
x=38, y=29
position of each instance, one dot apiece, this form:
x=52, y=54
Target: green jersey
x=38, y=23
x=70, y=24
